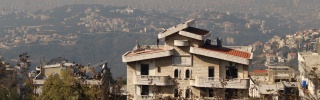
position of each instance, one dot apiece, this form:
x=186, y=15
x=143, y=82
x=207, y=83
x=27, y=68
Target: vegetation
x=65, y=87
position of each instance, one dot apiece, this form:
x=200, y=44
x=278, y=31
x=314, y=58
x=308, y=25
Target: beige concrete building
x=187, y=66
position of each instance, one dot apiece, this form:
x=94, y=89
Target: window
x=182, y=60
x=144, y=90
x=187, y=93
x=176, y=73
x=187, y=73
x=231, y=72
x=144, y=69
x=210, y=92
x=210, y=72
x=159, y=69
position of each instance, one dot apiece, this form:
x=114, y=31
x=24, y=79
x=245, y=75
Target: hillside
x=89, y=33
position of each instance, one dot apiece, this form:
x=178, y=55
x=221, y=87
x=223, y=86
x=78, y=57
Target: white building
x=309, y=67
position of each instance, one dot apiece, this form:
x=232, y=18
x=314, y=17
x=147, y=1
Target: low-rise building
x=274, y=83
x=271, y=59
x=309, y=74
x=57, y=65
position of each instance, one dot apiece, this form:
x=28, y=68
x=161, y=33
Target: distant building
x=57, y=65
x=266, y=47
x=271, y=59
x=291, y=56
x=274, y=83
x=187, y=66
x=256, y=46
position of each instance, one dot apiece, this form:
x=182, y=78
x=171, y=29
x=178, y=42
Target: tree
x=8, y=88
x=63, y=87
x=53, y=88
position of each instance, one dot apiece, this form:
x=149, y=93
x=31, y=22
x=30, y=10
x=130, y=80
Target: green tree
x=63, y=87
x=8, y=88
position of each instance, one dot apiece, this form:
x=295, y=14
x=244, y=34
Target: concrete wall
x=201, y=65
x=48, y=71
x=169, y=41
x=130, y=78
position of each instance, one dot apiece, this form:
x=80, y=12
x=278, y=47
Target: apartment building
x=187, y=66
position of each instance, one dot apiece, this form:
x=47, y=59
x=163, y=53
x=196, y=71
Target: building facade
x=187, y=66
x=309, y=74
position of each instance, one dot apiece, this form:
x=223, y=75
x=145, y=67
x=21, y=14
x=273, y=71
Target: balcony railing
x=220, y=83
x=152, y=80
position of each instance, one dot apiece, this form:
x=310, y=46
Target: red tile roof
x=228, y=51
x=146, y=51
x=196, y=31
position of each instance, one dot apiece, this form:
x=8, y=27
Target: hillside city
x=93, y=51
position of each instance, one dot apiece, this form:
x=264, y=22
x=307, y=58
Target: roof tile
x=228, y=51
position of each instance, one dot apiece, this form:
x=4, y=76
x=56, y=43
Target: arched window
x=176, y=73
x=187, y=73
x=176, y=92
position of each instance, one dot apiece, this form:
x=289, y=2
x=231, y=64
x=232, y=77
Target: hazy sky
x=153, y=4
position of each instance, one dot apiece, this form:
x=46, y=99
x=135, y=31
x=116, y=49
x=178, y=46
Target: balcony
x=216, y=82
x=152, y=80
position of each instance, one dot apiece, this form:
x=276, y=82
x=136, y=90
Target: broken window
x=231, y=72
x=187, y=73
x=176, y=73
x=144, y=90
x=210, y=72
x=144, y=69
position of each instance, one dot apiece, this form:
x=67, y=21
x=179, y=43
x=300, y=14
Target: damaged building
x=188, y=65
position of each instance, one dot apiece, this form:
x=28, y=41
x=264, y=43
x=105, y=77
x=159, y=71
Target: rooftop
x=57, y=65
x=310, y=60
x=290, y=84
x=196, y=31
x=270, y=88
x=145, y=51
x=175, y=29
x=260, y=71
x=279, y=67
x=228, y=51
